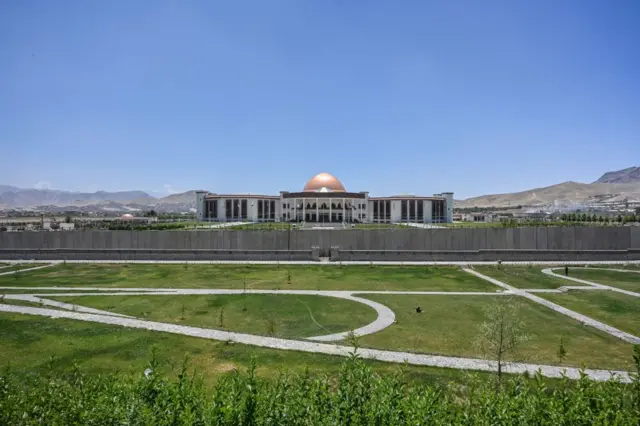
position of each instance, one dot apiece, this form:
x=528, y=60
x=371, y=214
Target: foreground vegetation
x=357, y=397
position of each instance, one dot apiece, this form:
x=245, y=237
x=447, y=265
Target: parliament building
x=324, y=199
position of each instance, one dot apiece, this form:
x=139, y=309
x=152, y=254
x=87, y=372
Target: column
x=331, y=201
x=344, y=208
x=304, y=209
x=317, y=210
x=427, y=211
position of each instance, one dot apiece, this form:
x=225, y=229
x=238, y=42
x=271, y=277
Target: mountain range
x=614, y=186
x=12, y=197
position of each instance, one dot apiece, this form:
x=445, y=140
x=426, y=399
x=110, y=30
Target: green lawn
x=615, y=309
x=624, y=280
x=521, y=276
x=288, y=316
x=448, y=325
x=31, y=344
x=329, y=277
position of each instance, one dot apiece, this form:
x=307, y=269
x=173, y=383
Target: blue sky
x=258, y=96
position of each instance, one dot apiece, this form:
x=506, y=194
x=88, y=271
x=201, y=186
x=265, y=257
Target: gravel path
x=385, y=317
x=579, y=317
x=324, y=348
x=28, y=269
x=61, y=305
x=549, y=271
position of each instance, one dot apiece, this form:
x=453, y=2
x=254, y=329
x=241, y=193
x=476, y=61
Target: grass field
x=521, y=276
x=624, y=280
x=615, y=309
x=253, y=276
x=448, y=325
x=284, y=316
x=32, y=344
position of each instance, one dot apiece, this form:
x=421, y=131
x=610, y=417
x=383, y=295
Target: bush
x=358, y=396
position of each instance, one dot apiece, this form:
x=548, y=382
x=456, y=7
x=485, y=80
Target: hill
x=563, y=194
x=628, y=175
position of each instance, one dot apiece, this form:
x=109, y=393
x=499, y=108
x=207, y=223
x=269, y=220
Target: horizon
x=413, y=98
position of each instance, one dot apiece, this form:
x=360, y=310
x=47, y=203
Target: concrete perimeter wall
x=279, y=243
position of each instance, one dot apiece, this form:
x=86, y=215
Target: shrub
x=357, y=396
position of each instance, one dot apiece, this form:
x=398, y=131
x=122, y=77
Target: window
x=272, y=209
x=404, y=211
x=213, y=209
x=236, y=209
x=260, y=210
x=228, y=210
x=244, y=209
x=420, y=211
x=387, y=210
x=412, y=209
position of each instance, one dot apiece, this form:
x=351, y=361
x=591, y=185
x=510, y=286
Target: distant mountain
x=563, y=194
x=17, y=197
x=12, y=197
x=631, y=174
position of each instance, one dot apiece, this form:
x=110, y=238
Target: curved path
x=549, y=271
x=324, y=348
x=385, y=318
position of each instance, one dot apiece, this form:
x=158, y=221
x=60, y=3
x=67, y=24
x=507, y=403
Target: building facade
x=324, y=199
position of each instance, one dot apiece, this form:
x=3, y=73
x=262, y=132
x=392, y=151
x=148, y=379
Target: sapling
x=562, y=351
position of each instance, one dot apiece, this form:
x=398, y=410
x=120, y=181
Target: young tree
x=503, y=331
x=67, y=219
x=562, y=351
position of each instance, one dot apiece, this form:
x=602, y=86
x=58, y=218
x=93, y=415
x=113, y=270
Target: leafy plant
x=355, y=396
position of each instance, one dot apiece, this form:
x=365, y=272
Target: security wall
x=534, y=238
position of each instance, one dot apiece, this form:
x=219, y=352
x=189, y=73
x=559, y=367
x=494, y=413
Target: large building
x=324, y=199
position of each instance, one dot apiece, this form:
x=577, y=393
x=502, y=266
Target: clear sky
x=418, y=96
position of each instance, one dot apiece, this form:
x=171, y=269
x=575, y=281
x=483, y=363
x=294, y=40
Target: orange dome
x=324, y=182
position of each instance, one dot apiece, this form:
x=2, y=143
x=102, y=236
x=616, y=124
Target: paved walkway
x=28, y=269
x=385, y=318
x=627, y=337
x=323, y=348
x=549, y=271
